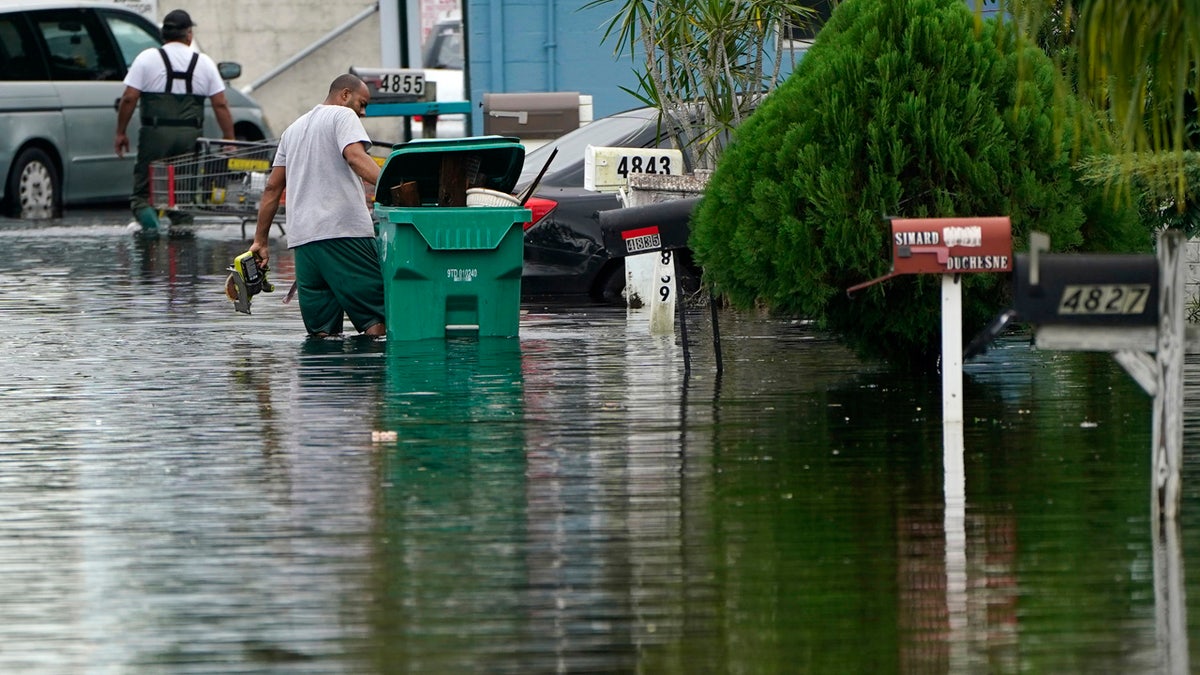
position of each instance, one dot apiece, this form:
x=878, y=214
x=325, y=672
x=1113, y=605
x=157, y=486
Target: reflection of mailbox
x=1086, y=289
x=651, y=227
x=532, y=115
x=393, y=85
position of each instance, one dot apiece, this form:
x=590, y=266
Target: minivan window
x=19, y=58
x=77, y=48
x=132, y=38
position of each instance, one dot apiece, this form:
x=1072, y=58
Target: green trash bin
x=448, y=268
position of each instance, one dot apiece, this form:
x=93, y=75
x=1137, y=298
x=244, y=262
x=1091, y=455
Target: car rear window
x=19, y=58
x=620, y=130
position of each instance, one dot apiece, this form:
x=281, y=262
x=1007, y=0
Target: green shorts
x=336, y=277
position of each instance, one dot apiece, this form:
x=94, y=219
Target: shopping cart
x=219, y=180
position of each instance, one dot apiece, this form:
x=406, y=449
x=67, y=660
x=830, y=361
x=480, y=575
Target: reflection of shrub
x=899, y=109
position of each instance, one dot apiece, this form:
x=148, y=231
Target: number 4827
x=1104, y=299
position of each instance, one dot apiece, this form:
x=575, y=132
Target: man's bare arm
x=362, y=163
x=267, y=208
x=125, y=108
x=224, y=117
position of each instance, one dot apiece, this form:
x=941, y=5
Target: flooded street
x=186, y=489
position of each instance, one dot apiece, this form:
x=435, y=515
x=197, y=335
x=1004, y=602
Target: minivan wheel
x=34, y=190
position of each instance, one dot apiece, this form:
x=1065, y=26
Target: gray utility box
x=534, y=115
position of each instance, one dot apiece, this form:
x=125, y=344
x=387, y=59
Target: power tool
x=246, y=280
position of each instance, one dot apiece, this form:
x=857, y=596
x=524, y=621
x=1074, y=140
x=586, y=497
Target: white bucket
x=486, y=197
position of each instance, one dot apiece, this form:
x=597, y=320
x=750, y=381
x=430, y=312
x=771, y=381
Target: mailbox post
x=657, y=229
x=1131, y=306
x=949, y=247
x=1128, y=305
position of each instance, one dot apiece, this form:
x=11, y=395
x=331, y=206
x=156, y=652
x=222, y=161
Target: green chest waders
x=171, y=123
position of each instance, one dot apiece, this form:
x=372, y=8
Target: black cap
x=177, y=19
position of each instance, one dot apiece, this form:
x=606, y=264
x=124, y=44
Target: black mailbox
x=1086, y=289
x=651, y=227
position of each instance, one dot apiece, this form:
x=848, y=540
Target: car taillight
x=540, y=207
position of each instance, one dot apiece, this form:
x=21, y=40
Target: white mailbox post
x=649, y=277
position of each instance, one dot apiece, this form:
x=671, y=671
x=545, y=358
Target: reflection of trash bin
x=451, y=506
x=448, y=268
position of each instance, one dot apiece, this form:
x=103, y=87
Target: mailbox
x=1086, y=289
x=393, y=85
x=608, y=169
x=532, y=115
x=651, y=227
x=950, y=245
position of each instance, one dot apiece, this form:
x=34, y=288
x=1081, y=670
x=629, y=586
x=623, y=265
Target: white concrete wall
x=1192, y=274
x=265, y=33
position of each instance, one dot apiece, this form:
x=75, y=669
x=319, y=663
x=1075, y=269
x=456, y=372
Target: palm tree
x=704, y=63
x=1136, y=60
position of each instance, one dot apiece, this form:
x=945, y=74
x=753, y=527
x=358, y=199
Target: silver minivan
x=61, y=71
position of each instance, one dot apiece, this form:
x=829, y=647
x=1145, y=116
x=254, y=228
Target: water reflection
x=451, y=505
x=188, y=489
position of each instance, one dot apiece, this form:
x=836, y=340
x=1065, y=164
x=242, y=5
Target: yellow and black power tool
x=246, y=280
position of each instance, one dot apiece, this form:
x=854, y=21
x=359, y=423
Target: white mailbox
x=607, y=169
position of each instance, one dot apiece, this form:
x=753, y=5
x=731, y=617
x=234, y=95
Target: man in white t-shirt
x=171, y=83
x=322, y=160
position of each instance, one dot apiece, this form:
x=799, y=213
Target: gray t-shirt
x=324, y=198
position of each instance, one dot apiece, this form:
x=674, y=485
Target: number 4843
x=637, y=164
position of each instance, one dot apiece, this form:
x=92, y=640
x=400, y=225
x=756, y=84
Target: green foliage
x=1165, y=186
x=1135, y=59
x=901, y=108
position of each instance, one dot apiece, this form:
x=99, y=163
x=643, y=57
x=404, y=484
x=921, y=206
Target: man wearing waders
x=171, y=82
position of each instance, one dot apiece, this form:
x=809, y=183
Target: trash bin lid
x=500, y=160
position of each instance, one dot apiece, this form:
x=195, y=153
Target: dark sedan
x=564, y=249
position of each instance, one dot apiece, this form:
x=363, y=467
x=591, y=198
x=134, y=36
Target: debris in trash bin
x=472, y=169
x=406, y=194
x=486, y=197
x=452, y=184
x=528, y=191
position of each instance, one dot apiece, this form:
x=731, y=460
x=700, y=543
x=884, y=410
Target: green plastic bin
x=451, y=270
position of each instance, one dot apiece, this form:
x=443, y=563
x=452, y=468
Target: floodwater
x=185, y=489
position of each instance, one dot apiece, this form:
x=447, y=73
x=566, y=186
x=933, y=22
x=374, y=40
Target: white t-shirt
x=325, y=198
x=148, y=74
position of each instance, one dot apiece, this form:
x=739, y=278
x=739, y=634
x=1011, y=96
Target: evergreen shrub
x=901, y=108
